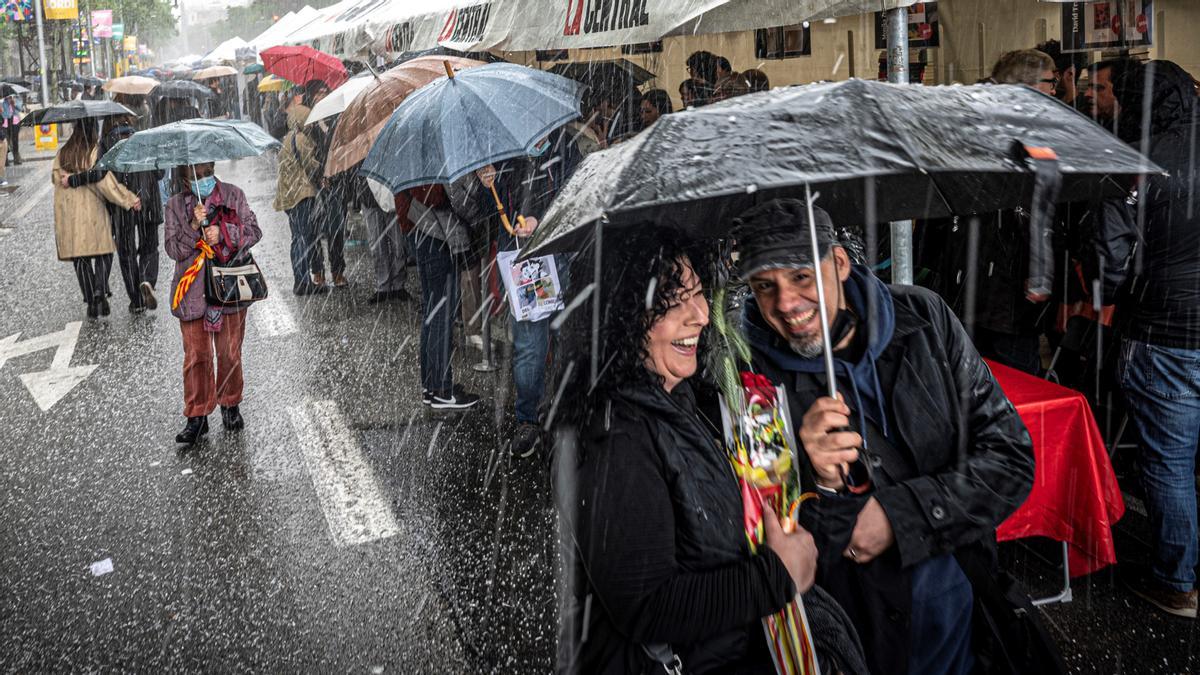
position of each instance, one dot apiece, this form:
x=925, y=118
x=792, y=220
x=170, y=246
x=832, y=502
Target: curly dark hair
x=640, y=278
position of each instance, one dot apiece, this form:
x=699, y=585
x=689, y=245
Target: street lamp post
x=42, y=70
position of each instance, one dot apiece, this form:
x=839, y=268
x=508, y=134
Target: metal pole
x=43, y=72
x=897, y=53
x=822, y=309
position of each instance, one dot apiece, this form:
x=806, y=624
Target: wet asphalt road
x=347, y=529
x=225, y=557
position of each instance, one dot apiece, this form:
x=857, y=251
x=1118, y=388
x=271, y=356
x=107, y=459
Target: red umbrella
x=302, y=63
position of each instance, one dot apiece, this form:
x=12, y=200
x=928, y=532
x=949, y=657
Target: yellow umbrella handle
x=503, y=216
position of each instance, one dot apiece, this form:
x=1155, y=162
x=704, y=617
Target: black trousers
x=14, y=138
x=92, y=272
x=137, y=253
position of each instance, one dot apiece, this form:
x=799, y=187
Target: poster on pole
x=102, y=23
x=1107, y=24
x=118, y=32
x=922, y=27
x=61, y=9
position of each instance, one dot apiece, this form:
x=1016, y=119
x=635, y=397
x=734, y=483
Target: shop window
x=783, y=42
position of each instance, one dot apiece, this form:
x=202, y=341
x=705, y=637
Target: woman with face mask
x=82, y=229
x=207, y=213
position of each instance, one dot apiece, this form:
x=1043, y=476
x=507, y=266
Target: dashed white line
x=353, y=503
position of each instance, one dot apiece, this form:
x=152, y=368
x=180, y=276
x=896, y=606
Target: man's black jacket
x=973, y=457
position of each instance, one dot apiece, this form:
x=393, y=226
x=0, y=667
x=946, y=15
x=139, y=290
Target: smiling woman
x=660, y=572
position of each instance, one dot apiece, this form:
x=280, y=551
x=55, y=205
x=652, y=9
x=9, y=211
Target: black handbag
x=238, y=282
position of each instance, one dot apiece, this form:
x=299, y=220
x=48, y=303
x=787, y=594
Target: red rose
x=758, y=385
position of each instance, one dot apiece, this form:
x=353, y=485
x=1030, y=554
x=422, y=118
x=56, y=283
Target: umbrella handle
x=500, y=209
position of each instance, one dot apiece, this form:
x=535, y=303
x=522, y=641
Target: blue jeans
x=300, y=223
x=531, y=344
x=942, y=601
x=439, y=307
x=1162, y=389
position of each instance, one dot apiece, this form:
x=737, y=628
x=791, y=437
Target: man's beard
x=809, y=348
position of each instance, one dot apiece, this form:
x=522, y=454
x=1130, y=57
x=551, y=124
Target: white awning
x=390, y=26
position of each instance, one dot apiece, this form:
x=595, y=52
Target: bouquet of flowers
x=760, y=442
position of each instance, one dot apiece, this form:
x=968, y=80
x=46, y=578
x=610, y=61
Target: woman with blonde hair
x=82, y=229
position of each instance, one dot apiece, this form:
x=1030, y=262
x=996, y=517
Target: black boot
x=195, y=428
x=105, y=310
x=231, y=418
x=93, y=309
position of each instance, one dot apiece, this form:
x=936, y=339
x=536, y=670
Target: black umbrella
x=11, y=89
x=609, y=71
x=927, y=152
x=897, y=151
x=180, y=89
x=75, y=110
x=17, y=79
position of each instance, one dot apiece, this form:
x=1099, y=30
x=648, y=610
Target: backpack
x=277, y=124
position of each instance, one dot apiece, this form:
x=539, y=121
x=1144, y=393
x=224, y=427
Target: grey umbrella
x=188, y=142
x=76, y=110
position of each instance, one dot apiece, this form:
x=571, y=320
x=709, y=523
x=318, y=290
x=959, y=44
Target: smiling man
x=948, y=457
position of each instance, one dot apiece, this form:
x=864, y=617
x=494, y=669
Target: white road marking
x=355, y=507
x=49, y=386
x=273, y=318
x=30, y=202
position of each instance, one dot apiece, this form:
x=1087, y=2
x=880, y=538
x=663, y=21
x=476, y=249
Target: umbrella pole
x=823, y=309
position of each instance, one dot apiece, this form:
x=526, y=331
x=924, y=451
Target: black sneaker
x=426, y=397
x=105, y=310
x=526, y=440
x=192, y=431
x=456, y=399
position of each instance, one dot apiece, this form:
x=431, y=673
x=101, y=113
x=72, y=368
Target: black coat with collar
x=973, y=457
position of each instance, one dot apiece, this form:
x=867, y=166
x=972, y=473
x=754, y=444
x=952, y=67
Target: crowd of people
x=662, y=570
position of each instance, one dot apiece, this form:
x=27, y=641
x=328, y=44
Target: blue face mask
x=541, y=148
x=204, y=186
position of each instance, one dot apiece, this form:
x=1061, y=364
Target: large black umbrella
x=926, y=152
x=71, y=111
x=180, y=89
x=12, y=89
x=611, y=72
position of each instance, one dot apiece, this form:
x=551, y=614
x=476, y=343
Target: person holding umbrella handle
x=908, y=549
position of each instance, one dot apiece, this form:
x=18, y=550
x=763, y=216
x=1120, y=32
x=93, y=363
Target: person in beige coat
x=81, y=226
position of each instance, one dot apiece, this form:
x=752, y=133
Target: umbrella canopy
x=610, y=72
x=303, y=63
x=926, y=152
x=457, y=124
x=272, y=83
x=76, y=110
x=253, y=68
x=17, y=79
x=131, y=84
x=88, y=81
x=180, y=89
x=188, y=142
x=365, y=116
x=338, y=99
x=12, y=89
x=214, y=71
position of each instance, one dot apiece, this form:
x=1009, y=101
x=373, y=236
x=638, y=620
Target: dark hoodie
x=860, y=379
x=1162, y=303
x=904, y=384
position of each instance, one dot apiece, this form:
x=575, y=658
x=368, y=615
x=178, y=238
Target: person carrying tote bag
x=196, y=236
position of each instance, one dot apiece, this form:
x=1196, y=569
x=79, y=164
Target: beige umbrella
x=130, y=84
x=214, y=71
x=366, y=115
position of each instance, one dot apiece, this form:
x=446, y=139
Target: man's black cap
x=775, y=235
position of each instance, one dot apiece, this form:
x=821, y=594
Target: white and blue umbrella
x=468, y=120
x=188, y=142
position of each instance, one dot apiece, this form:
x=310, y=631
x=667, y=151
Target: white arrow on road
x=49, y=386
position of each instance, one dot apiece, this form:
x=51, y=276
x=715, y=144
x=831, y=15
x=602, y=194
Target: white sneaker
x=475, y=341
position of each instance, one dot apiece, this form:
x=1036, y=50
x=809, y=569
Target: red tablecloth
x=1075, y=497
